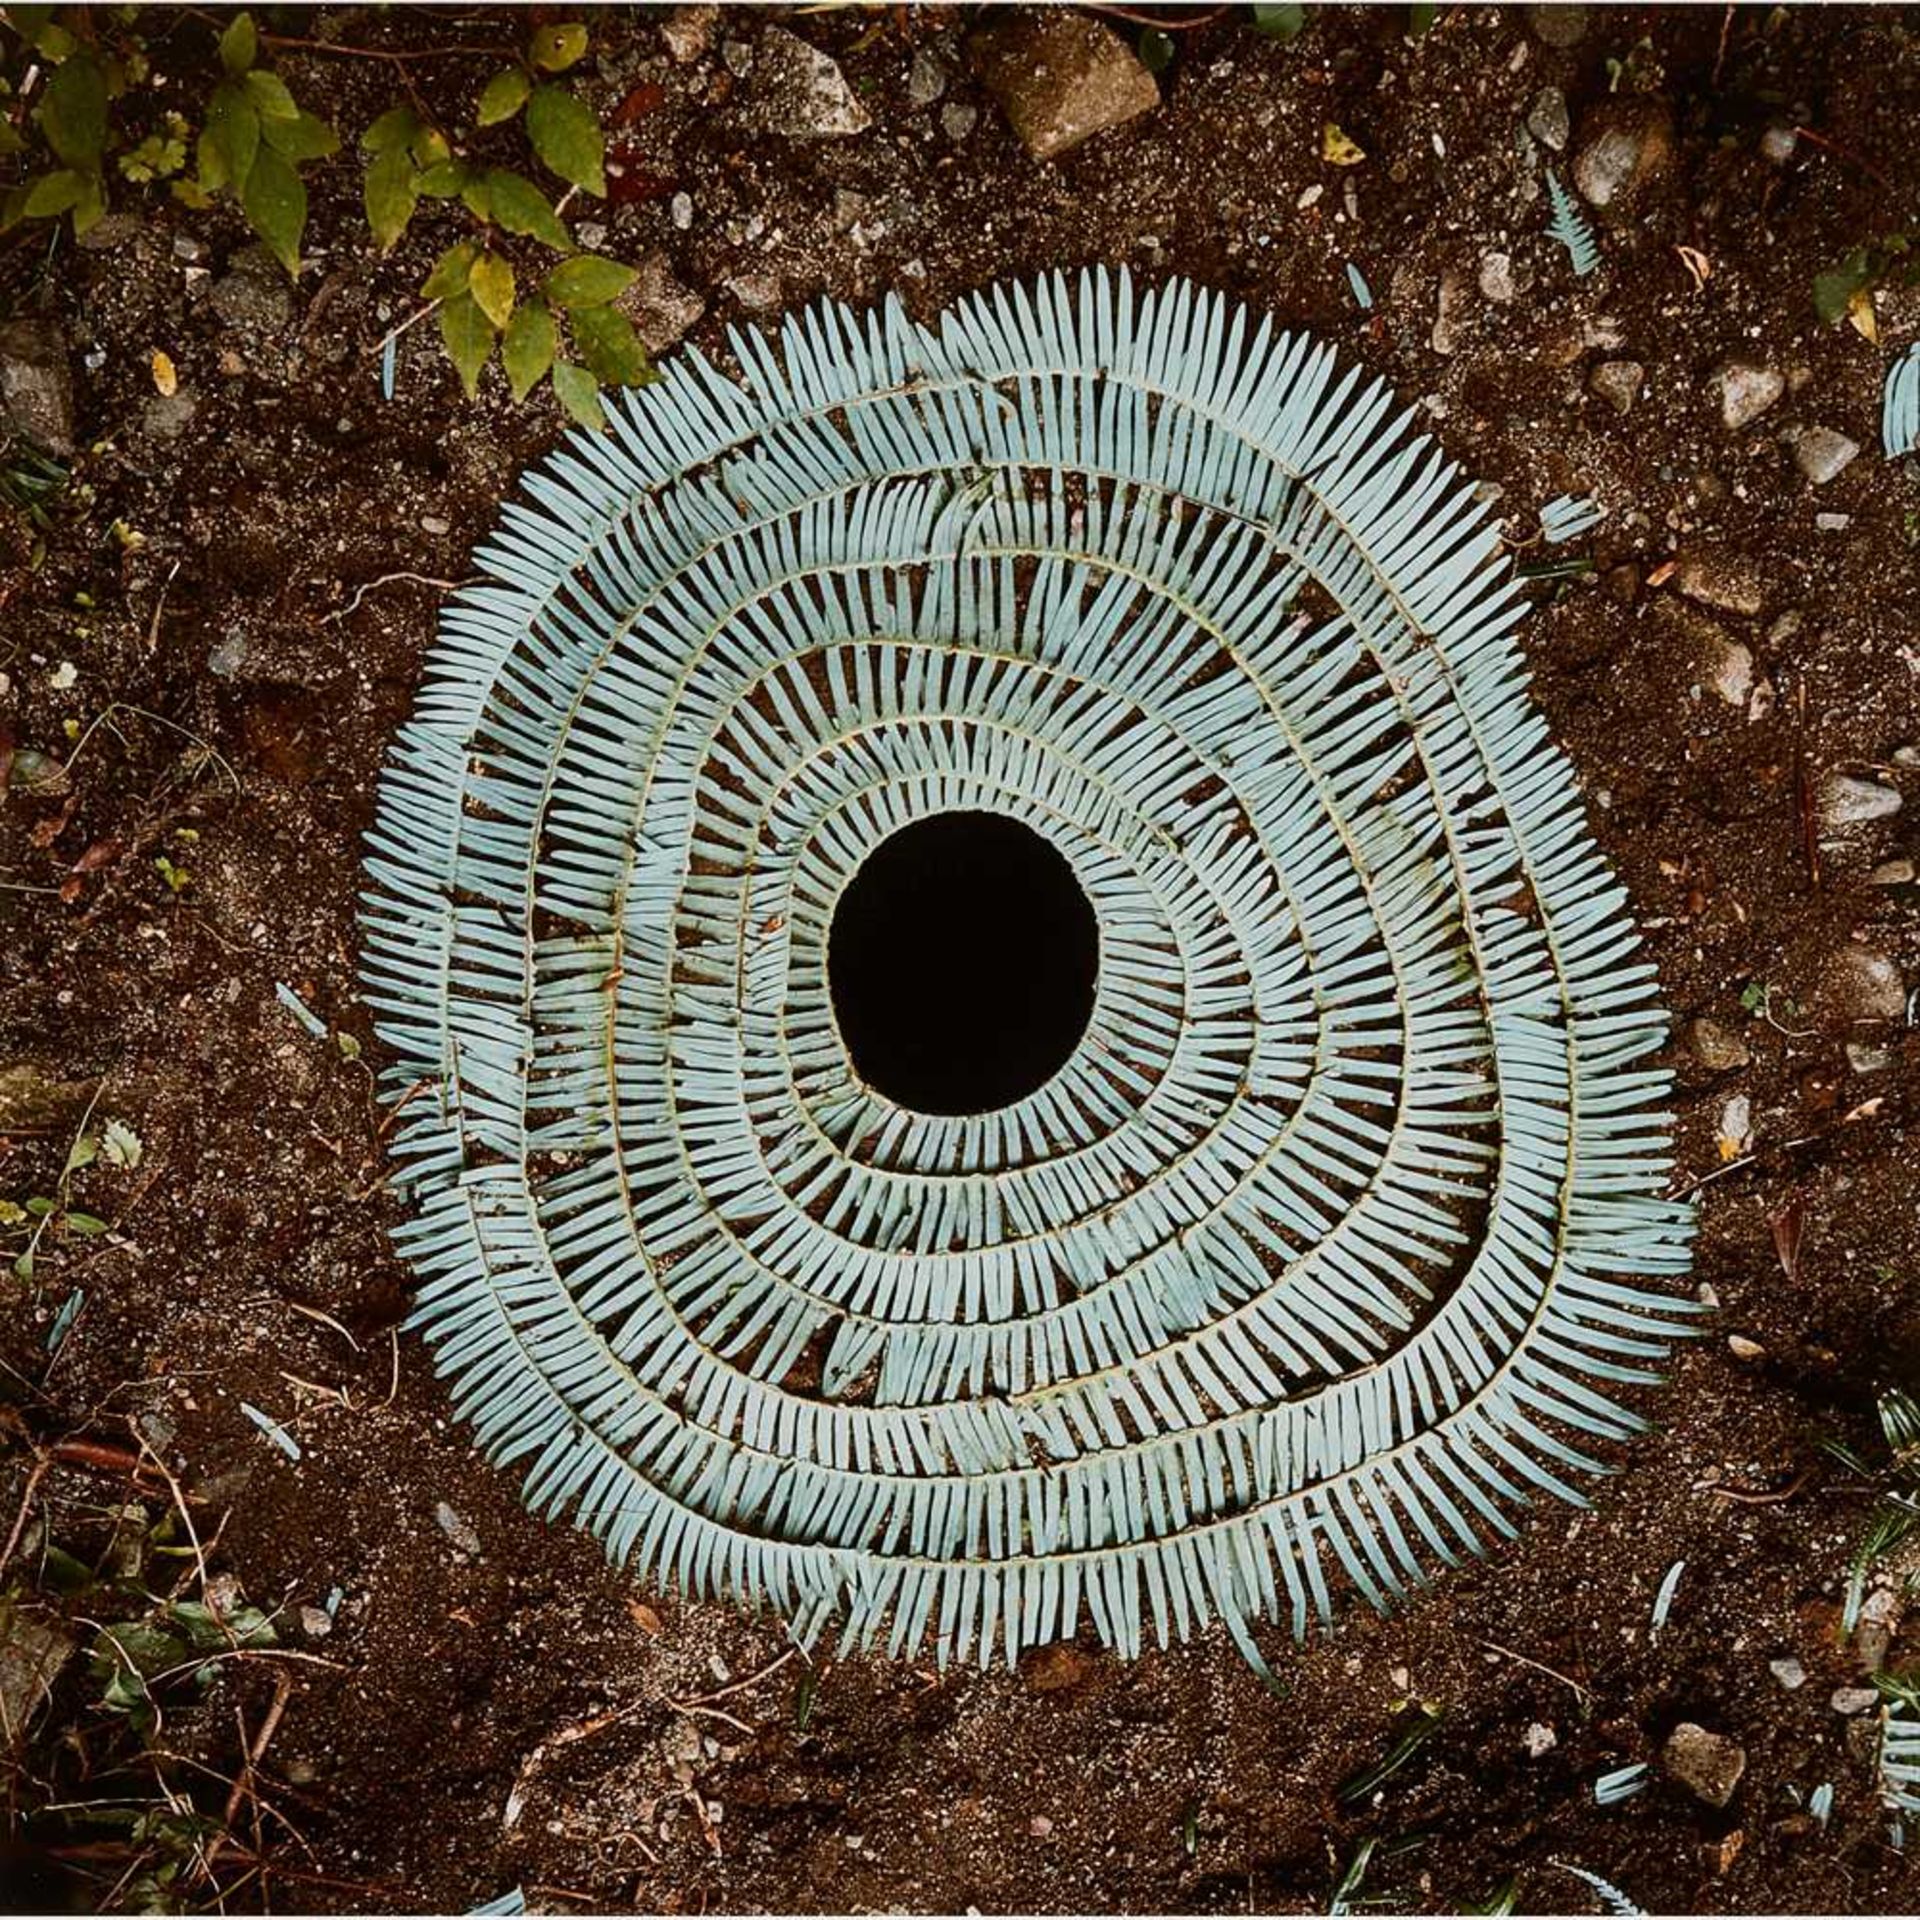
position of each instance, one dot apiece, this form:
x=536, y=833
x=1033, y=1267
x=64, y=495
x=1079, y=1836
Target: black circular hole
x=962, y=959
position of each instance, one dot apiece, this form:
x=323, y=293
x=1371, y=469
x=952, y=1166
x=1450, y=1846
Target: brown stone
x=1061, y=77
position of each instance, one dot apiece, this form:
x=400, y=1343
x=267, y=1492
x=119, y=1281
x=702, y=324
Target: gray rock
x=688, y=32
x=1708, y=1765
x=926, y=79
x=1728, y=582
x=1790, y=1673
x=1449, y=310
x=33, y=1649
x=1861, y=983
x=1061, y=77
x=253, y=294
x=1745, y=391
x=1718, y=1048
x=1777, y=145
x=1559, y=26
x=1821, y=454
x=1497, y=280
x=660, y=308
x=680, y=211
x=315, y=1622
x=957, y=120
x=228, y=654
x=757, y=292
x=1547, y=119
x=1618, y=383
x=1847, y=802
x=1863, y=1058
x=457, y=1528
x=1850, y=1700
x=1626, y=146
x=36, y=387
x=1893, y=873
x=801, y=94
x=166, y=416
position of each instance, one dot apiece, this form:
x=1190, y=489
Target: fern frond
x=1900, y=405
x=1570, y=227
x=1900, y=1755
x=1342, y=1231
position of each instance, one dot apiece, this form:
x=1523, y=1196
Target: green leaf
x=527, y=350
x=275, y=203
x=53, y=193
x=1279, y=23
x=444, y=179
x=1156, y=49
x=450, y=272
x=586, y=280
x=609, y=345
x=10, y=140
x=305, y=137
x=87, y=1225
x=230, y=140
x=1834, y=288
x=567, y=138
x=1420, y=18
x=468, y=334
x=428, y=146
x=474, y=196
x=391, y=190
x=520, y=207
x=240, y=44
x=393, y=129
x=73, y=116
x=579, y=393
x=270, y=95
x=82, y=1154
x=554, y=49
x=503, y=96
x=491, y=284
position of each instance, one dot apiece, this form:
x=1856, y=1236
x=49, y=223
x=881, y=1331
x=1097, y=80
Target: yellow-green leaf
x=579, y=393
x=527, y=350
x=503, y=96
x=586, y=280
x=554, y=49
x=450, y=272
x=444, y=179
x=468, y=335
x=231, y=138
x=275, y=203
x=305, y=137
x=520, y=207
x=392, y=188
x=53, y=193
x=394, y=128
x=567, y=138
x=1338, y=147
x=240, y=44
x=609, y=345
x=270, y=95
x=73, y=115
x=491, y=284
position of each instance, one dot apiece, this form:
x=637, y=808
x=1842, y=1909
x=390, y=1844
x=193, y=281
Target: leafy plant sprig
x=486, y=299
x=252, y=142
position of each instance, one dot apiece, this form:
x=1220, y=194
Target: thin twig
x=1747, y=1499
x=739, y=1686
x=38, y=1474
x=385, y=580
x=1540, y=1666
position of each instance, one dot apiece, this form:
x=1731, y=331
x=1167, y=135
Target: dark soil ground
x=490, y=1706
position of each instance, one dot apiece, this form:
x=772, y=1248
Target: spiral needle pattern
x=1332, y=1239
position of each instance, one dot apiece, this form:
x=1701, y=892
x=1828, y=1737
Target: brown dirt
x=430, y=1765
